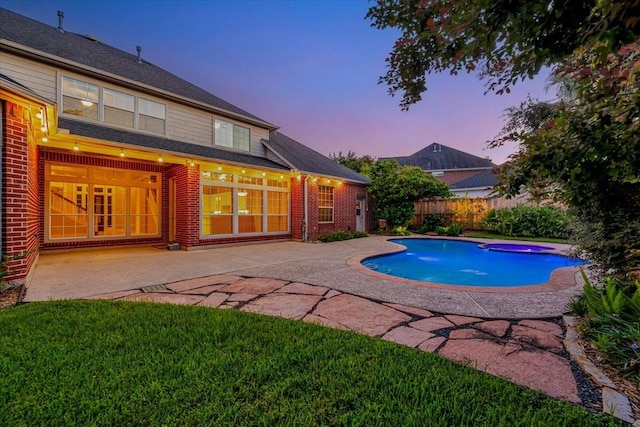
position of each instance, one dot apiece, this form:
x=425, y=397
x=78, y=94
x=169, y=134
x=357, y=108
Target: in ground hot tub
x=516, y=247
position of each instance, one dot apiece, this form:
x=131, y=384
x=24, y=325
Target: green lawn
x=116, y=363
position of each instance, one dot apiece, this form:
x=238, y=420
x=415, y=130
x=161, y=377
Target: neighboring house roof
x=485, y=179
x=440, y=157
x=307, y=160
x=91, y=53
x=149, y=141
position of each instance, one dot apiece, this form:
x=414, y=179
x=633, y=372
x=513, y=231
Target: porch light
x=160, y=159
x=191, y=163
x=219, y=167
x=76, y=148
x=264, y=174
x=121, y=153
x=43, y=128
x=281, y=176
x=243, y=171
x=45, y=139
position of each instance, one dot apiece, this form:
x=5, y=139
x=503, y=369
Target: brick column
x=187, y=204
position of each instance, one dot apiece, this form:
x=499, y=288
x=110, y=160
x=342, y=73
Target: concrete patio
x=86, y=273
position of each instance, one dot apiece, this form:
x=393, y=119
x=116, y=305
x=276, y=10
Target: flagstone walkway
x=528, y=352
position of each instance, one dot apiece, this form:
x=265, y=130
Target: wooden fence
x=466, y=211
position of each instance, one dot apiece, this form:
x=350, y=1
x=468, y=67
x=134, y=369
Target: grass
x=482, y=235
x=119, y=363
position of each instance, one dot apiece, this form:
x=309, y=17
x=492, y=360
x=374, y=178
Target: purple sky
x=310, y=67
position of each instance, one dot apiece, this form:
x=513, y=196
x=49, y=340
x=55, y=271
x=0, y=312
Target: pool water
x=464, y=263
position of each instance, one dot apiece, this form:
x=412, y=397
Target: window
x=93, y=203
x=325, y=204
x=118, y=108
x=249, y=211
x=83, y=99
x=242, y=204
x=232, y=136
x=278, y=211
x=151, y=116
x=79, y=98
x=217, y=210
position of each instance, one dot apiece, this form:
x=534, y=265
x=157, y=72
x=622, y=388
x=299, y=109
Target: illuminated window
x=277, y=211
x=249, y=211
x=94, y=203
x=325, y=203
x=217, y=210
x=80, y=98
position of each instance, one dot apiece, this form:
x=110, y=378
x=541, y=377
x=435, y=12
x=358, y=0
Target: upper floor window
x=80, y=98
x=152, y=115
x=119, y=108
x=88, y=100
x=232, y=136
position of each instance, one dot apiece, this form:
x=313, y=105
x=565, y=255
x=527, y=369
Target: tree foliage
x=395, y=189
x=505, y=40
x=352, y=160
x=587, y=153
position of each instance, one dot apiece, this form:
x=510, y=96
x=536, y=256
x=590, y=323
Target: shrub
x=431, y=222
x=341, y=235
x=450, y=230
x=610, y=312
x=400, y=231
x=528, y=221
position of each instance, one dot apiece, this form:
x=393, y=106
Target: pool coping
x=561, y=278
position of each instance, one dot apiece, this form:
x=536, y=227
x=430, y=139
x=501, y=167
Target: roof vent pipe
x=60, y=18
x=139, y=49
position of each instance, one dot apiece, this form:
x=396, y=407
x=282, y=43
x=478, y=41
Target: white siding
x=257, y=135
x=189, y=125
x=39, y=78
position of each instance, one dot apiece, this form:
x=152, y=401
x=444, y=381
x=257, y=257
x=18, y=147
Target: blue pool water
x=464, y=263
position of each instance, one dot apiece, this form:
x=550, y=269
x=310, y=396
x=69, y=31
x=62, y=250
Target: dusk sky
x=309, y=67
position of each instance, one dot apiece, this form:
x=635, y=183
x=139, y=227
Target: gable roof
x=440, y=157
x=307, y=160
x=79, y=49
x=484, y=179
x=159, y=143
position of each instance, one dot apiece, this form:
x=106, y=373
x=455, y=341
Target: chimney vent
x=139, y=49
x=60, y=18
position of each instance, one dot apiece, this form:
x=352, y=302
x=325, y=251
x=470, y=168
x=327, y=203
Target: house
x=447, y=164
x=479, y=185
x=102, y=148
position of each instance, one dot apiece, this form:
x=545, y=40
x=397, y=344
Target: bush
x=610, y=314
x=431, y=222
x=528, y=221
x=450, y=230
x=341, y=235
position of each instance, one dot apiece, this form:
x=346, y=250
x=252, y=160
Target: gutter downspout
x=305, y=220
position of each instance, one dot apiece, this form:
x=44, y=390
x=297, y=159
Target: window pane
x=249, y=180
x=145, y=212
x=277, y=209
x=241, y=138
x=119, y=100
x=151, y=109
x=277, y=223
x=249, y=211
x=72, y=171
x=68, y=211
x=79, y=98
x=151, y=124
x=223, y=134
x=325, y=203
x=217, y=210
x=109, y=210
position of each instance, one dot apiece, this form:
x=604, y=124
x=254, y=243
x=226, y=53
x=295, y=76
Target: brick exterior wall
x=344, y=208
x=19, y=192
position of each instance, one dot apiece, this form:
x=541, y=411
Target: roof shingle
x=440, y=157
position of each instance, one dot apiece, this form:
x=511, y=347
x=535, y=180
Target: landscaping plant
x=528, y=221
x=431, y=222
x=339, y=235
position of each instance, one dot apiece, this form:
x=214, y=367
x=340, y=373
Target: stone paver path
x=528, y=352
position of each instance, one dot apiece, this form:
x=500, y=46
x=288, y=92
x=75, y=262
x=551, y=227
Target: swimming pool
x=464, y=263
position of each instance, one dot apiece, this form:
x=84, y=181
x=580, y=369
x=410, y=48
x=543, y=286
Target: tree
x=587, y=149
x=395, y=189
x=505, y=40
x=352, y=161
